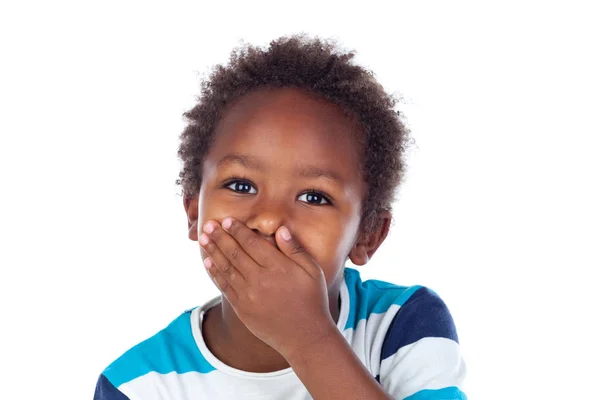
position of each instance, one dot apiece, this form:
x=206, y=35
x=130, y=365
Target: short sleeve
x=106, y=391
x=420, y=357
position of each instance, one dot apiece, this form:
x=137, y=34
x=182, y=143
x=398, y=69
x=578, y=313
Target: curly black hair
x=319, y=67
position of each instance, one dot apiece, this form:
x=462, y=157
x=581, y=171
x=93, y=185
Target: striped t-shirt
x=405, y=336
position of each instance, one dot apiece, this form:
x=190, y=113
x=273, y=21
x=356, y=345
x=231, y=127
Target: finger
x=260, y=250
x=294, y=250
x=230, y=253
x=218, y=260
x=222, y=284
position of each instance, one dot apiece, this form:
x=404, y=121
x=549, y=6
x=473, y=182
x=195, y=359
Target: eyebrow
x=252, y=162
x=245, y=160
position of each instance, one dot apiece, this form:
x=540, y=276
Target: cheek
x=328, y=243
x=211, y=208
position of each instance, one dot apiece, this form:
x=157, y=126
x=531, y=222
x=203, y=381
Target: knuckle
x=227, y=267
x=252, y=297
x=265, y=284
x=251, y=242
x=224, y=284
x=234, y=253
x=298, y=250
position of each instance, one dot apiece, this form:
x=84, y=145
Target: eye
x=315, y=198
x=240, y=186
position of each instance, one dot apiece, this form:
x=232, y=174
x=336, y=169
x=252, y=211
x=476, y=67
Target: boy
x=290, y=162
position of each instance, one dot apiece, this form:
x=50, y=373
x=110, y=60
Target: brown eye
x=314, y=198
x=241, y=187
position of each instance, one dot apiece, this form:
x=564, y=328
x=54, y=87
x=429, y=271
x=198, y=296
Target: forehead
x=287, y=128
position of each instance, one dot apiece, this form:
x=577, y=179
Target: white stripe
x=367, y=339
x=430, y=363
x=214, y=385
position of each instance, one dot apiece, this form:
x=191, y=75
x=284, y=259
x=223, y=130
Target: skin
x=285, y=144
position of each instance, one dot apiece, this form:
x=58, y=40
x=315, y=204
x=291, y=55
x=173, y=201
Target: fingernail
x=227, y=223
x=207, y=262
x=209, y=227
x=285, y=234
x=203, y=239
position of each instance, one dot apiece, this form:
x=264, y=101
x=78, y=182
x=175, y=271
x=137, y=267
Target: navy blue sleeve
x=106, y=391
x=423, y=315
x=420, y=355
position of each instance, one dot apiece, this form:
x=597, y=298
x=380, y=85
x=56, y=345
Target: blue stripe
x=106, y=391
x=423, y=315
x=376, y=297
x=171, y=350
x=449, y=393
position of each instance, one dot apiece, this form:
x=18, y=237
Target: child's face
x=281, y=157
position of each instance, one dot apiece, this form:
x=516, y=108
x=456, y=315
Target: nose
x=266, y=220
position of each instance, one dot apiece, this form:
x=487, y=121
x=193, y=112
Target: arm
x=330, y=370
x=420, y=358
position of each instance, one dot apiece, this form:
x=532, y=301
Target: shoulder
x=411, y=312
x=374, y=299
x=420, y=354
x=173, y=349
x=413, y=347
x=423, y=315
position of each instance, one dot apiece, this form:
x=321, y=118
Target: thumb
x=291, y=248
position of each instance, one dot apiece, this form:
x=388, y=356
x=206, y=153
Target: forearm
x=330, y=370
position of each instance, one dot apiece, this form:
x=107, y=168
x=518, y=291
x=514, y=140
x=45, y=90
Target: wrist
x=314, y=344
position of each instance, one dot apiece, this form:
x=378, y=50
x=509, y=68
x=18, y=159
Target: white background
x=499, y=212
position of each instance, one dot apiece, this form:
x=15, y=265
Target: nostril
x=269, y=238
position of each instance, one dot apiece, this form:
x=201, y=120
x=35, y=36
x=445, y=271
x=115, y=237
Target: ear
x=190, y=204
x=368, y=243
